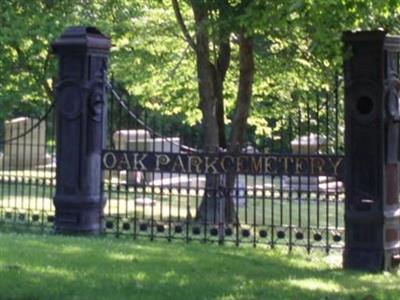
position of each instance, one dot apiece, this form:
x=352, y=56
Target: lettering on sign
x=217, y=163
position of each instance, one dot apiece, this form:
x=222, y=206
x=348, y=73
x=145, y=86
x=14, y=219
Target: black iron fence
x=27, y=171
x=286, y=189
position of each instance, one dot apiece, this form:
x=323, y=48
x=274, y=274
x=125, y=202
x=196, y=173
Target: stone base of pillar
x=361, y=259
x=79, y=215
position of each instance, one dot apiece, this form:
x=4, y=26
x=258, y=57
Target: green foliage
x=94, y=268
x=298, y=50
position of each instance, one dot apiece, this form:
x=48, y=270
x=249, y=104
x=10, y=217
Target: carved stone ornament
x=96, y=103
x=393, y=97
x=363, y=94
x=70, y=95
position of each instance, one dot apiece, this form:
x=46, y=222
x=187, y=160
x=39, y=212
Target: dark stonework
x=371, y=143
x=81, y=119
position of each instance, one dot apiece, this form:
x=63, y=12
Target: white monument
x=24, y=151
x=310, y=145
x=132, y=139
x=141, y=140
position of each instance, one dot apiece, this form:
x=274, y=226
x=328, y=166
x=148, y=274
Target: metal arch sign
x=217, y=163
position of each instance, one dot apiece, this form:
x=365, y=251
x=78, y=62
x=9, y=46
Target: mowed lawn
x=57, y=267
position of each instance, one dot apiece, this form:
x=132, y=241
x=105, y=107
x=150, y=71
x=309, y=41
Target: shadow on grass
x=56, y=267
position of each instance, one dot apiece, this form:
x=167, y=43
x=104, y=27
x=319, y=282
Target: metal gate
x=287, y=188
x=160, y=182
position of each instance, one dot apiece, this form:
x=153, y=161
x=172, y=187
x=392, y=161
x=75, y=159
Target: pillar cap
x=364, y=36
x=80, y=39
x=390, y=42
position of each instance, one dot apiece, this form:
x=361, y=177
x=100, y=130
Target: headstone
x=132, y=139
x=310, y=145
x=250, y=149
x=178, y=180
x=28, y=150
x=141, y=140
x=239, y=193
x=167, y=144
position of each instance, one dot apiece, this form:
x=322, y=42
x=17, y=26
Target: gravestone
x=238, y=193
x=250, y=149
x=27, y=151
x=140, y=140
x=178, y=180
x=310, y=145
x=166, y=144
x=132, y=139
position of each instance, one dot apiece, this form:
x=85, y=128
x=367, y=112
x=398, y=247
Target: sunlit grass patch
x=60, y=267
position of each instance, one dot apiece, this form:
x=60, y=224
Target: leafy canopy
x=298, y=50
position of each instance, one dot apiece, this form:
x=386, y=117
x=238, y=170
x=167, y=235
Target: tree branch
x=182, y=25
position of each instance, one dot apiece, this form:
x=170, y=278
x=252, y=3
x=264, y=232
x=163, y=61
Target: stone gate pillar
x=81, y=119
x=372, y=115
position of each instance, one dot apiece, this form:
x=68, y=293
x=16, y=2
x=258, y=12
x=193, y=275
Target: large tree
x=301, y=38
x=216, y=27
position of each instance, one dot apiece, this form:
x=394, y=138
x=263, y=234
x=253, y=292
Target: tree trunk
x=218, y=203
x=218, y=206
x=208, y=99
x=239, y=122
x=207, y=211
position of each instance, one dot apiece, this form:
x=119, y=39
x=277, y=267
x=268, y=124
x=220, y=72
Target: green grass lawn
x=56, y=267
